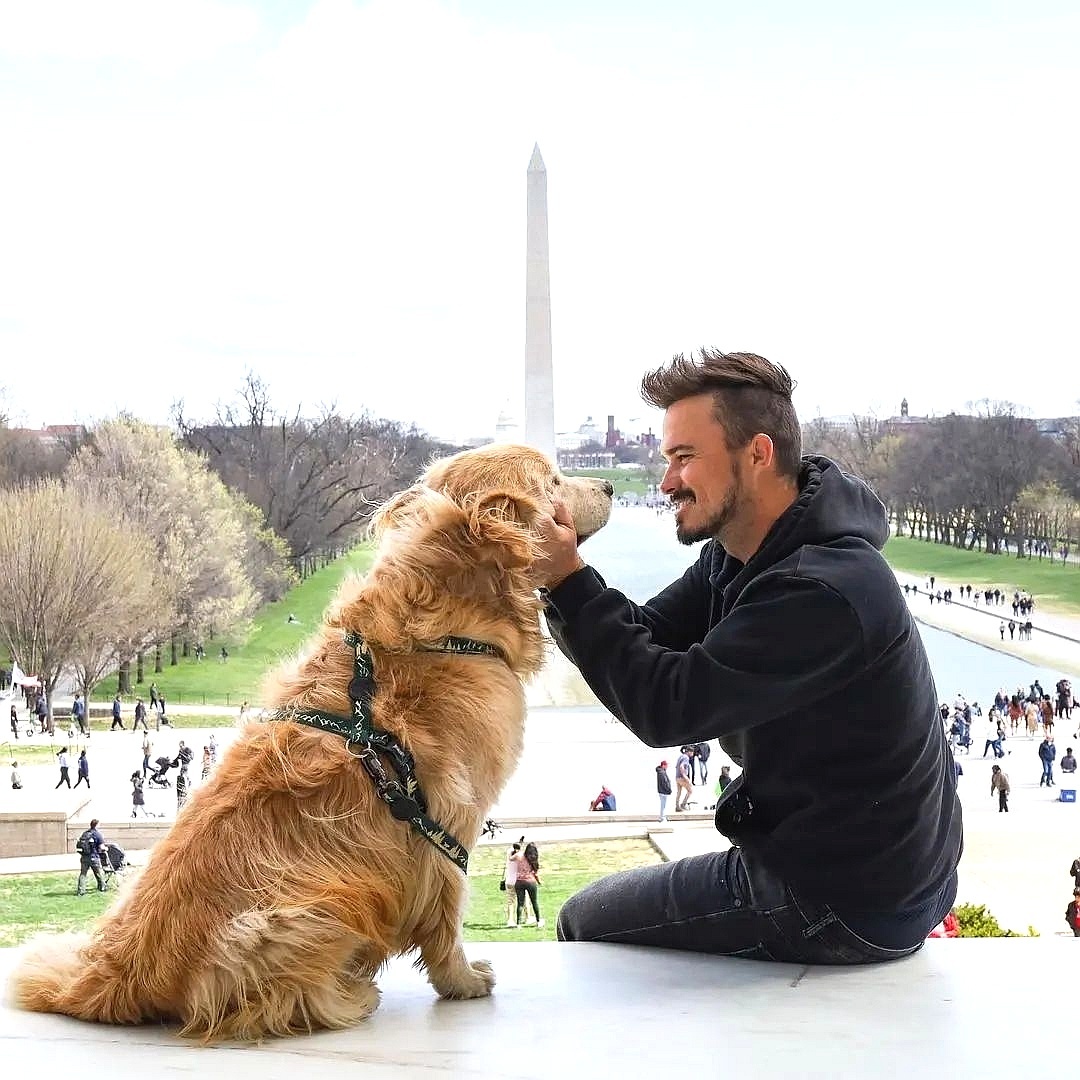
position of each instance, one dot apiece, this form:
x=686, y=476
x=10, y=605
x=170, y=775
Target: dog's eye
x=556, y=482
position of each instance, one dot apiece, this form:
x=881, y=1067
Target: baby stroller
x=113, y=862
x=159, y=777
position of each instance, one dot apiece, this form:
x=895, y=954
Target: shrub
x=975, y=921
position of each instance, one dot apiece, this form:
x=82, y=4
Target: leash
x=402, y=795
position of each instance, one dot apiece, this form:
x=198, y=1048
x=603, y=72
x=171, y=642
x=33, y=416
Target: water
x=638, y=554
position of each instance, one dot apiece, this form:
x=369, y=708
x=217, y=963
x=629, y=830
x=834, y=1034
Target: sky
x=883, y=197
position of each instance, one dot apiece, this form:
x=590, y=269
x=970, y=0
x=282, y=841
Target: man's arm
x=789, y=642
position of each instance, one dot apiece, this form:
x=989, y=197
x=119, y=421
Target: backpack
x=704, y=750
x=85, y=844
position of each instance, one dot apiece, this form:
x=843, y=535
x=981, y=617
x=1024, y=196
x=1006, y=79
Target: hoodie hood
x=831, y=506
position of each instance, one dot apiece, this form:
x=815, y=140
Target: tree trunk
x=123, y=678
x=173, y=661
x=157, y=659
x=139, y=667
x=185, y=649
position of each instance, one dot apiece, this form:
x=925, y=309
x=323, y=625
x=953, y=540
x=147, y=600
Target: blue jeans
x=722, y=904
x=663, y=808
x=1048, y=773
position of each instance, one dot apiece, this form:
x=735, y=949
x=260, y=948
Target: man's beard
x=711, y=529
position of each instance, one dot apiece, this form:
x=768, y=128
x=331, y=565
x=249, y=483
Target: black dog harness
x=403, y=795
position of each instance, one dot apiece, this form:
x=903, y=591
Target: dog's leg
x=441, y=952
x=281, y=972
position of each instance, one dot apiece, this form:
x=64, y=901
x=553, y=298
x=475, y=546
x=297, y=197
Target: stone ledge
x=615, y=1011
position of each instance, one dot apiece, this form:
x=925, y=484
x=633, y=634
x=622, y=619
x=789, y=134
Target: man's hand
x=559, y=556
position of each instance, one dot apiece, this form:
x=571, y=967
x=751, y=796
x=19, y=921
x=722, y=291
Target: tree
x=200, y=537
x=66, y=566
x=315, y=479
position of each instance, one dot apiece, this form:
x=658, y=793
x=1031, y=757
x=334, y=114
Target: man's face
x=703, y=479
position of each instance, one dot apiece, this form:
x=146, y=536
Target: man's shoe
x=510, y=922
x=540, y=924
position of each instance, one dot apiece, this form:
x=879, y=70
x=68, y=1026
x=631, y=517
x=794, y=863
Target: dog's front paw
x=474, y=980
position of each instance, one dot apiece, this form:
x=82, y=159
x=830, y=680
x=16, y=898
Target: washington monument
x=539, y=390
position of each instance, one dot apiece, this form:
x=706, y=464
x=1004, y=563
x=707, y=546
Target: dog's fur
x=285, y=883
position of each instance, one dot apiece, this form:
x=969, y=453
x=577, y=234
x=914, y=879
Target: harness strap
x=402, y=795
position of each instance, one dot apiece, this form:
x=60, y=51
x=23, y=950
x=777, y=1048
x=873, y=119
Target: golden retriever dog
x=285, y=883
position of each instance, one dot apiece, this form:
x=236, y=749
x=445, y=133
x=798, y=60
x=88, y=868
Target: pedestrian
x=999, y=782
x=527, y=883
x=205, y=762
x=62, y=761
x=213, y=749
x=1001, y=630
x=843, y=850
x=663, y=788
x=181, y=787
x=162, y=718
x=90, y=846
x=78, y=713
x=138, y=800
x=83, y=769
x=1047, y=754
x=147, y=746
x=1068, y=762
x=702, y=750
x=41, y=709
x=683, y=780
x=223, y=655
x=16, y=777
x=509, y=881
x=153, y=695
x=117, y=717
x=140, y=716
x=1072, y=913
x=1012, y=630
x=14, y=721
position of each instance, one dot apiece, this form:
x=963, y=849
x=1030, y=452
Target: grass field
x=47, y=902
x=624, y=481
x=272, y=637
x=1052, y=584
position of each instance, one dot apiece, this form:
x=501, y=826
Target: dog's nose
x=608, y=488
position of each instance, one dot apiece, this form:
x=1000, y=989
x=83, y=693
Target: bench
x=585, y=1011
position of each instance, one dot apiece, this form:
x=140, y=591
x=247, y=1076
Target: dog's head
x=496, y=494
x=461, y=545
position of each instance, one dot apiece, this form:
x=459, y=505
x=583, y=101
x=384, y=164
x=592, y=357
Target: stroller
x=159, y=777
x=113, y=862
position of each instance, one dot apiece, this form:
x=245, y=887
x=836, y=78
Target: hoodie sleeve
x=788, y=642
x=675, y=618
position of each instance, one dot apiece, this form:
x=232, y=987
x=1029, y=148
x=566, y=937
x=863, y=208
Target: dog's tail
x=60, y=974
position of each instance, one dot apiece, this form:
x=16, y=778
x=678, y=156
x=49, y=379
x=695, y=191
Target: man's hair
x=750, y=395
x=93, y=823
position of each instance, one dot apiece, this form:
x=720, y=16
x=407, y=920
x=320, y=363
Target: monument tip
x=536, y=162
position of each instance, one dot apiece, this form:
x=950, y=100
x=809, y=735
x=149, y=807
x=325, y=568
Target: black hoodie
x=806, y=665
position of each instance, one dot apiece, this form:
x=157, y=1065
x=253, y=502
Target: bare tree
x=316, y=479
x=65, y=562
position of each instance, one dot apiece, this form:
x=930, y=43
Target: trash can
x=1068, y=794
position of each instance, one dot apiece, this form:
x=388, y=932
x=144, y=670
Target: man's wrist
x=550, y=586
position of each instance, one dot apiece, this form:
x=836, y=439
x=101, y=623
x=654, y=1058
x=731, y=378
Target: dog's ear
x=503, y=520
x=393, y=512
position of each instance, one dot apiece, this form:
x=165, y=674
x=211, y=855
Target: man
x=683, y=779
x=604, y=801
x=844, y=848
x=147, y=746
x=91, y=847
x=999, y=782
x=117, y=715
x=16, y=777
x=78, y=712
x=702, y=752
x=140, y=716
x=1068, y=762
x=1047, y=754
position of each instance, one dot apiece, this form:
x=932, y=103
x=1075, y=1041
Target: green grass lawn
x=34, y=902
x=271, y=639
x=1053, y=585
x=624, y=481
